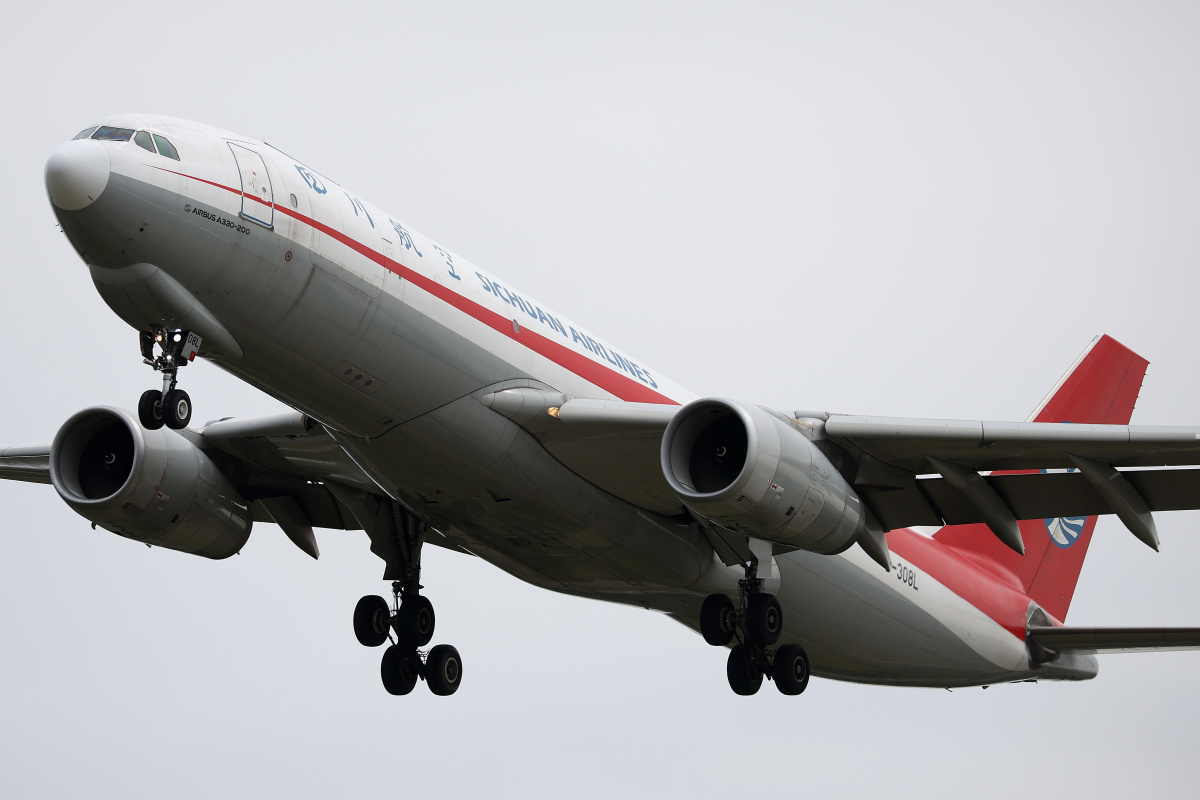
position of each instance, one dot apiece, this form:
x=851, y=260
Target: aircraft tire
x=177, y=409
x=790, y=669
x=443, y=670
x=744, y=676
x=764, y=619
x=399, y=669
x=372, y=617
x=150, y=410
x=717, y=620
x=417, y=620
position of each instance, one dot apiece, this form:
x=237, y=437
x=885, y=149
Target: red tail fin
x=1101, y=387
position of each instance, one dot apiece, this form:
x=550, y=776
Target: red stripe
x=995, y=593
x=610, y=380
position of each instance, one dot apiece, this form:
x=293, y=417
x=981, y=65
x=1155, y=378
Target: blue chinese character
x=356, y=204
x=449, y=262
x=313, y=181
x=405, y=239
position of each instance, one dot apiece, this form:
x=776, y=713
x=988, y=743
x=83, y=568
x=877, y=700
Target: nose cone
x=76, y=174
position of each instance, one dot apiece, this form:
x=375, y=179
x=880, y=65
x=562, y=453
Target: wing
x=613, y=444
x=1051, y=641
x=284, y=465
x=926, y=472
x=907, y=471
x=30, y=462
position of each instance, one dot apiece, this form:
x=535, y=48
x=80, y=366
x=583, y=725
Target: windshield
x=107, y=133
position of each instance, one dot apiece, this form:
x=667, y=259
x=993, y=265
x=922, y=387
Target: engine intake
x=151, y=486
x=750, y=471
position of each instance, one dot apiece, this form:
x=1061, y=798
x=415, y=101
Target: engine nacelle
x=151, y=486
x=749, y=471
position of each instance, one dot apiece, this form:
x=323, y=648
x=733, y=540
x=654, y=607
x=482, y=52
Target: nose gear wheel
x=170, y=406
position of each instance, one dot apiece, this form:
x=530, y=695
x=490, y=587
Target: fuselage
x=331, y=305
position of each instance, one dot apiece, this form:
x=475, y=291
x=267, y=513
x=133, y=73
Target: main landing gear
x=756, y=622
x=397, y=536
x=411, y=619
x=170, y=406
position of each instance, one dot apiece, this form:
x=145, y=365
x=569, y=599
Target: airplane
x=433, y=403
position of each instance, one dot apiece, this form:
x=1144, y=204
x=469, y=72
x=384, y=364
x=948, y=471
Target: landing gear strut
x=171, y=406
x=408, y=622
x=756, y=622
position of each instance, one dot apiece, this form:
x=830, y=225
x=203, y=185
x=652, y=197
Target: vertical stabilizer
x=1100, y=387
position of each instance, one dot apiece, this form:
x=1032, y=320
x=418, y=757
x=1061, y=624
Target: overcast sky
x=911, y=209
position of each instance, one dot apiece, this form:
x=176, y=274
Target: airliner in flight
x=436, y=404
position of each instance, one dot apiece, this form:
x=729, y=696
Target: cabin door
x=258, y=197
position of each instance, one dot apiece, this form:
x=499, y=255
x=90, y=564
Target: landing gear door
x=258, y=197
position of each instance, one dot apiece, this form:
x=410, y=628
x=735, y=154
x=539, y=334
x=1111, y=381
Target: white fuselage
x=389, y=339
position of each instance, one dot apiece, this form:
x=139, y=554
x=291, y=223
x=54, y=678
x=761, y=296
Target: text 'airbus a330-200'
x=434, y=404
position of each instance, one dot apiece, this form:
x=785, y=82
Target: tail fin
x=1100, y=387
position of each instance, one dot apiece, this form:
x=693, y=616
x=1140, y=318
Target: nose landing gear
x=171, y=406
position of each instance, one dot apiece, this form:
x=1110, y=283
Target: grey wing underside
x=289, y=467
x=896, y=465
x=25, y=462
x=1084, y=641
x=926, y=472
x=282, y=464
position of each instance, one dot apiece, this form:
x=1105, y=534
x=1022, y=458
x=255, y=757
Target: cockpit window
x=166, y=148
x=107, y=133
x=86, y=133
x=142, y=140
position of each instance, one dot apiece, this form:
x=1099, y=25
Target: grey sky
x=919, y=209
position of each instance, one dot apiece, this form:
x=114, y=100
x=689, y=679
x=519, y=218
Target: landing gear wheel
x=177, y=408
x=744, y=675
x=764, y=619
x=717, y=620
x=399, y=669
x=443, y=670
x=790, y=669
x=150, y=410
x=415, y=626
x=372, y=618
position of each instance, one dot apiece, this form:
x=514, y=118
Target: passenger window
x=142, y=140
x=107, y=133
x=86, y=133
x=166, y=148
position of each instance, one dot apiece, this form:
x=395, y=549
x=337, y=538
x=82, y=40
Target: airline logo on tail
x=1064, y=531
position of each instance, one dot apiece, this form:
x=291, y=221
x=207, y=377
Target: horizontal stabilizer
x=1113, y=640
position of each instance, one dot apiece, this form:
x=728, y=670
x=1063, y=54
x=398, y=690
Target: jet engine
x=151, y=486
x=748, y=470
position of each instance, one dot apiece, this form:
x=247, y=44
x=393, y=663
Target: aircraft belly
x=497, y=493
x=861, y=624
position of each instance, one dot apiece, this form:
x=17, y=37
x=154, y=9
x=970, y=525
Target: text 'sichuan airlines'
x=436, y=404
